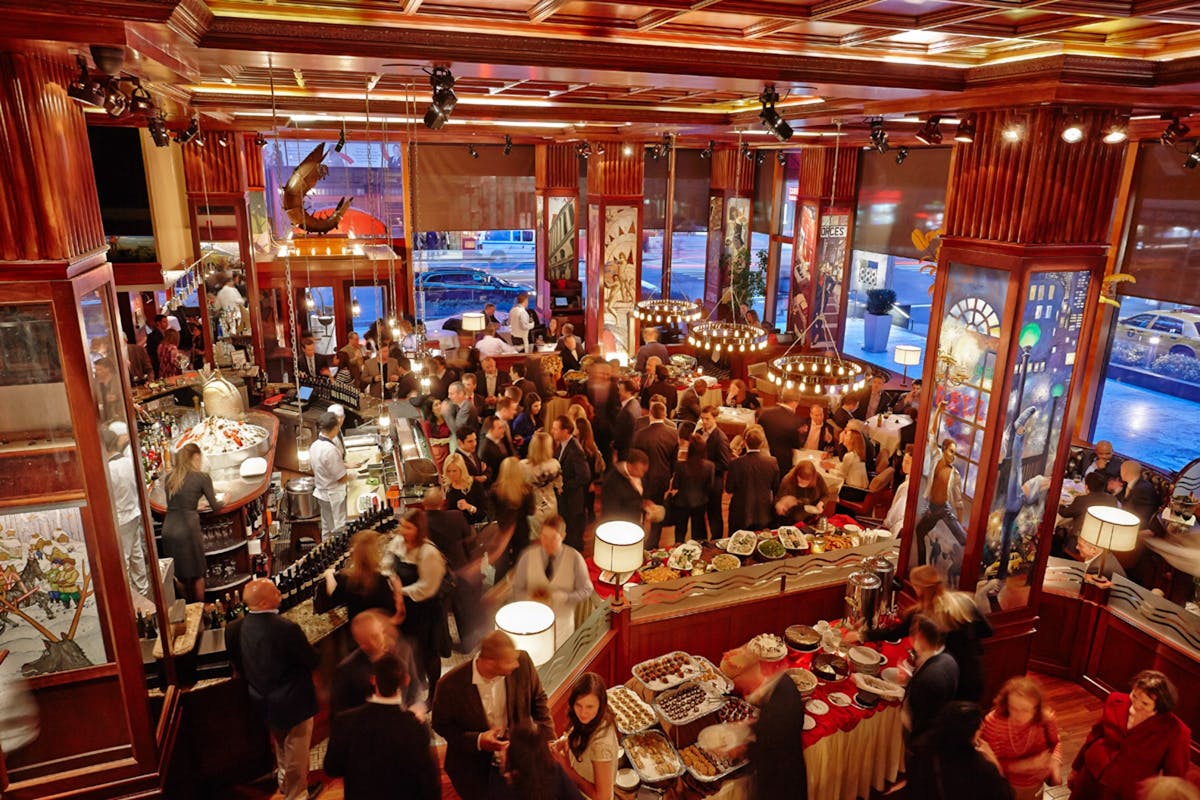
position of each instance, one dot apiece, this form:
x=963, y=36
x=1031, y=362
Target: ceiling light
x=708, y=151
x=583, y=150
x=901, y=154
x=115, y=101
x=665, y=147
x=879, y=137
x=444, y=99
x=931, y=131
x=140, y=101
x=1014, y=131
x=781, y=158
x=472, y=152
x=157, y=126
x=190, y=133
x=966, y=130
x=223, y=139
x=1175, y=131
x=760, y=157
x=771, y=118
x=627, y=150
x=260, y=140
x=84, y=88
x=598, y=149
x=507, y=145
x=1117, y=130
x=747, y=153
x=1193, y=159
x=1072, y=132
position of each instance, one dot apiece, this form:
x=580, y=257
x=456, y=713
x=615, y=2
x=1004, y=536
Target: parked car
x=506, y=244
x=453, y=290
x=1174, y=332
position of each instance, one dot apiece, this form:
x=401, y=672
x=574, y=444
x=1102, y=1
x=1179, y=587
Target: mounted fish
x=302, y=180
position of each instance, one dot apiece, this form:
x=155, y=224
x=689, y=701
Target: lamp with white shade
x=618, y=550
x=474, y=322
x=1110, y=529
x=907, y=355
x=531, y=626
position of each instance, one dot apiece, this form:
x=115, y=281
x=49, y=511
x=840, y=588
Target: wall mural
x=831, y=271
x=48, y=617
x=562, y=262
x=713, y=279
x=805, y=266
x=621, y=251
x=1048, y=335
x=966, y=360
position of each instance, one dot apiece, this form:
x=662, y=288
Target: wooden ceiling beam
x=1146, y=8
x=833, y=8
x=542, y=10
x=767, y=27
x=411, y=7
x=655, y=19
x=1059, y=24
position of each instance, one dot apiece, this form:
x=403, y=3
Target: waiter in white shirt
x=519, y=323
x=329, y=474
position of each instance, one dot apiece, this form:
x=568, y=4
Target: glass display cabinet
x=1007, y=323
x=79, y=568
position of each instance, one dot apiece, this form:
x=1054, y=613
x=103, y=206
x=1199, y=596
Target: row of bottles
x=298, y=582
x=147, y=625
x=156, y=431
x=221, y=612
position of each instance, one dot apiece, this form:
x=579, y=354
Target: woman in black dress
x=182, y=538
x=359, y=586
x=690, y=488
x=419, y=567
x=463, y=491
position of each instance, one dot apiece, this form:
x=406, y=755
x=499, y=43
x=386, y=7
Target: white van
x=506, y=244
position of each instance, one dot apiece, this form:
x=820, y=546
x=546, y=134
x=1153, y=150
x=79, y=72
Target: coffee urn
x=862, y=598
x=883, y=568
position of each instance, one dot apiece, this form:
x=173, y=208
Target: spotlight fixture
x=708, y=151
x=444, y=99
x=665, y=147
x=472, y=152
x=1014, y=131
x=781, y=158
x=583, y=150
x=901, y=154
x=1175, y=130
x=190, y=133
x=931, y=131
x=1193, y=159
x=85, y=88
x=1117, y=130
x=966, y=130
x=1072, y=132
x=879, y=137
x=598, y=149
x=507, y=145
x=140, y=101
x=309, y=302
x=747, y=153
x=760, y=157
x=223, y=139
x=157, y=125
x=260, y=140
x=115, y=101
x=771, y=119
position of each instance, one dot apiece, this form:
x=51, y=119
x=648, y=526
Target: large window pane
x=783, y=286
x=652, y=264
x=464, y=270
x=687, y=264
x=910, y=318
x=759, y=243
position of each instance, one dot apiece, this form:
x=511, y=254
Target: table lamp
x=618, y=550
x=531, y=626
x=907, y=355
x=473, y=322
x=1110, y=529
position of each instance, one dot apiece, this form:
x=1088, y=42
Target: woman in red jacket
x=1136, y=738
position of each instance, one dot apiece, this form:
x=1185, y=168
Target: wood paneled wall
x=255, y=180
x=614, y=174
x=556, y=166
x=1039, y=190
x=817, y=173
x=49, y=210
x=214, y=169
x=731, y=172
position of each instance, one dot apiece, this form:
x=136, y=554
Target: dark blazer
x=661, y=444
x=320, y=360
x=153, y=340
x=576, y=478
x=716, y=450
x=828, y=439
x=571, y=358
x=373, y=745
x=492, y=454
x=351, y=683
x=502, y=380
x=841, y=418
x=1142, y=499
x=689, y=406
x=931, y=687
x=666, y=389
x=887, y=399
x=274, y=657
x=623, y=424
x=605, y=401
x=694, y=486
x=752, y=482
x=781, y=427
x=651, y=349
x=937, y=772
x=459, y=718
x=619, y=499
x=1110, y=470
x=451, y=534
x=476, y=466
x=406, y=385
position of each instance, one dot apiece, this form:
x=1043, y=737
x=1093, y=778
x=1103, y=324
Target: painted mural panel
x=966, y=360
x=1048, y=337
x=563, y=261
x=713, y=280
x=831, y=272
x=620, y=281
x=804, y=268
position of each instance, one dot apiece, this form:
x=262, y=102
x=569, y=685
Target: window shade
x=894, y=199
x=654, y=194
x=1163, y=246
x=692, y=174
x=454, y=192
x=764, y=185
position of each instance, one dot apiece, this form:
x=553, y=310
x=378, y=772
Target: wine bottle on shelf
x=141, y=625
x=218, y=615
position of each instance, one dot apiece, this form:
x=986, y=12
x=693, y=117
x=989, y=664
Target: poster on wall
x=562, y=260
x=713, y=280
x=1048, y=337
x=830, y=272
x=803, y=269
x=966, y=362
x=621, y=250
x=595, y=243
x=48, y=617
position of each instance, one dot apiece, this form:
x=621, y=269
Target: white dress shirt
x=519, y=323
x=494, y=696
x=492, y=346
x=328, y=468
x=124, y=487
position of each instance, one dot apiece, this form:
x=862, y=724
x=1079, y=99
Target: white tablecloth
x=886, y=432
x=833, y=481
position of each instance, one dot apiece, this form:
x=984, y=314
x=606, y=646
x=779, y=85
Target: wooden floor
x=1076, y=708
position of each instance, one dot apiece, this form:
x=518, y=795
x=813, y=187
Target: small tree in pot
x=877, y=322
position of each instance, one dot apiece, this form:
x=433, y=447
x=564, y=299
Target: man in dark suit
x=516, y=372
x=717, y=451
x=626, y=418
x=154, y=339
x=660, y=443
x=458, y=410
x=468, y=446
x=491, y=381
x=376, y=636
x=752, y=482
x=406, y=382
x=621, y=490
x=846, y=411
x=662, y=386
x=1102, y=460
x=576, y=478
x=571, y=351
x=690, y=402
x=781, y=425
x=1096, y=495
x=454, y=537
x=495, y=447
x=275, y=659
x=651, y=347
x=934, y=681
x=875, y=399
x=471, y=389
x=370, y=746
x=1139, y=496
x=478, y=703
x=440, y=377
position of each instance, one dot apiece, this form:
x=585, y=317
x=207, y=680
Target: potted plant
x=877, y=322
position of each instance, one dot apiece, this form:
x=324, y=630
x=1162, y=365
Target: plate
x=254, y=467
x=839, y=699
x=768, y=647
x=817, y=707
x=809, y=723
x=742, y=543
x=685, y=556
x=627, y=779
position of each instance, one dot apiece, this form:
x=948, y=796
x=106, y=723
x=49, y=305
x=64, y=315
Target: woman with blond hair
x=852, y=466
x=544, y=475
x=1020, y=736
x=512, y=505
x=183, y=540
x=359, y=586
x=463, y=492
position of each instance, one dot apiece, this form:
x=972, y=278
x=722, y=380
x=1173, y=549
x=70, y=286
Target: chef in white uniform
x=555, y=574
x=329, y=474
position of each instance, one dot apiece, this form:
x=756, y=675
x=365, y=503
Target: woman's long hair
x=589, y=683
x=541, y=448
x=857, y=443
x=531, y=768
x=510, y=487
x=585, y=437
x=456, y=459
x=182, y=467
x=364, y=561
x=1025, y=687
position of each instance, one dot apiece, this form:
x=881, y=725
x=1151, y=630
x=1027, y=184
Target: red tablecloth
x=606, y=590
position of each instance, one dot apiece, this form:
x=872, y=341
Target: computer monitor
x=305, y=393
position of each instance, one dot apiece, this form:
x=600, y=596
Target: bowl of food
x=805, y=681
x=802, y=638
x=723, y=562
x=771, y=549
x=627, y=779
x=792, y=538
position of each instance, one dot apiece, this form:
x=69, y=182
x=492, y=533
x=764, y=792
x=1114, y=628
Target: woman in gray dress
x=182, y=539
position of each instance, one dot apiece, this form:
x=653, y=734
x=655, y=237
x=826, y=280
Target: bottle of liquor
x=218, y=615
x=141, y=626
x=240, y=607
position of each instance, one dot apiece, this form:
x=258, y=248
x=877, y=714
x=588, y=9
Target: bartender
x=330, y=475
x=339, y=411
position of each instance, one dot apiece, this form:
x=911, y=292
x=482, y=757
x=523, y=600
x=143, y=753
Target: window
x=463, y=270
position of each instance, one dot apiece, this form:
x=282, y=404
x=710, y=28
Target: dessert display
x=712, y=676
x=738, y=710
x=802, y=637
x=830, y=667
x=706, y=766
x=688, y=702
x=652, y=756
x=805, y=681
x=632, y=712
x=768, y=647
x=666, y=672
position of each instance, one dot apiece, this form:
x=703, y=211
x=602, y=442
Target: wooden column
x=1027, y=233
x=614, y=238
x=557, y=186
x=730, y=213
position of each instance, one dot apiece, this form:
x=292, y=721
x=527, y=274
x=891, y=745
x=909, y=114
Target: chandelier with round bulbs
x=665, y=311
x=814, y=373
x=715, y=336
